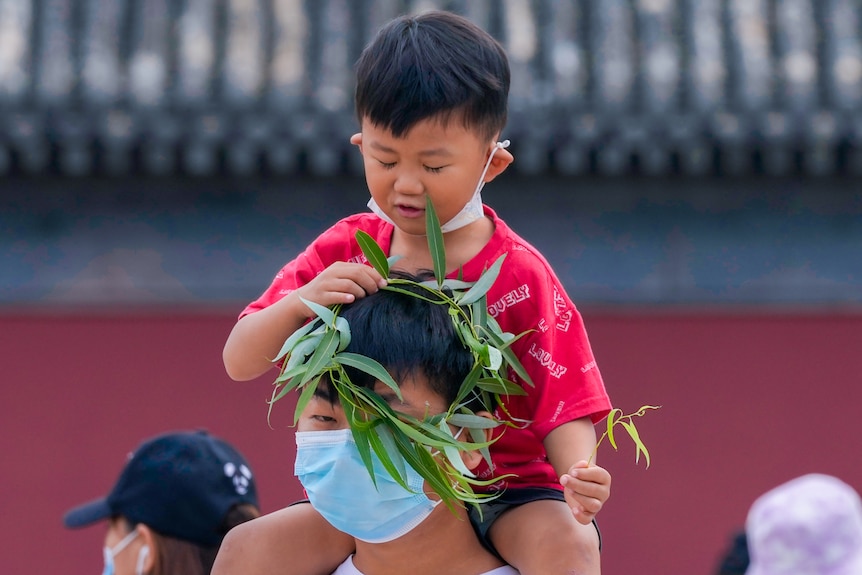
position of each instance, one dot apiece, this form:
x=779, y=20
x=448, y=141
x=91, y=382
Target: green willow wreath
x=315, y=353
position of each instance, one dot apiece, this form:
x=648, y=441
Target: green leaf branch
x=616, y=417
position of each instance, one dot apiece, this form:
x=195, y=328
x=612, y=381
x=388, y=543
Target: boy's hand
x=586, y=489
x=341, y=282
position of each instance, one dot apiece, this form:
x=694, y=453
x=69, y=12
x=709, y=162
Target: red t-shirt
x=526, y=296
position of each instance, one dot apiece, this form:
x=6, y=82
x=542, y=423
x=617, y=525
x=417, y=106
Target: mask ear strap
x=498, y=146
x=123, y=543
x=142, y=556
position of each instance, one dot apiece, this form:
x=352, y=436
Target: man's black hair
x=434, y=65
x=408, y=336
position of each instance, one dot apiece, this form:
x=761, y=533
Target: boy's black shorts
x=510, y=498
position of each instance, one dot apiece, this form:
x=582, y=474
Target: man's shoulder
x=348, y=568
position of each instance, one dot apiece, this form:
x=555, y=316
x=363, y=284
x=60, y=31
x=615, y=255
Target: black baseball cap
x=181, y=484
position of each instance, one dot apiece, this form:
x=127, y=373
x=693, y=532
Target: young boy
x=431, y=101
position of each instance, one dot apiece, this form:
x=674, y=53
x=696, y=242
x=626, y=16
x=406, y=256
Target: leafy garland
x=315, y=352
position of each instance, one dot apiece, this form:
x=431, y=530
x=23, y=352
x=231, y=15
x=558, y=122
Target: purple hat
x=811, y=525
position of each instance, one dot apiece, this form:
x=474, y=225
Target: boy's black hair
x=433, y=65
x=407, y=335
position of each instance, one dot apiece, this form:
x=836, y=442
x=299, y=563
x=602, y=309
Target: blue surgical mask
x=339, y=487
x=111, y=552
x=471, y=211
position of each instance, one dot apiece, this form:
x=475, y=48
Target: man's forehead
x=417, y=399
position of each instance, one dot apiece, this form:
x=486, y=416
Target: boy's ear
x=356, y=140
x=501, y=160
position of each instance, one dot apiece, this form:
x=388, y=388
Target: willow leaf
x=307, y=393
x=393, y=286
x=324, y=313
x=389, y=446
x=416, y=436
x=294, y=337
x=479, y=313
x=453, y=454
x=613, y=417
x=322, y=356
x=343, y=335
x=303, y=348
x=424, y=463
x=493, y=357
x=278, y=393
x=496, y=337
x=435, y=241
x=486, y=280
x=398, y=473
x=369, y=366
x=372, y=252
x=500, y=387
x=472, y=421
x=361, y=439
x=468, y=337
x=287, y=375
x=478, y=436
x=429, y=427
x=639, y=445
x=456, y=285
x=468, y=383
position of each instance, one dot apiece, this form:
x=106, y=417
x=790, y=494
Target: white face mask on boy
x=471, y=211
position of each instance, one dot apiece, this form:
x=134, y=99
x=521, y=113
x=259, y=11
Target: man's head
x=415, y=340
x=436, y=65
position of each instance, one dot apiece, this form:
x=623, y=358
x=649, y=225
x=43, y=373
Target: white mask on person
x=471, y=211
x=110, y=552
x=337, y=483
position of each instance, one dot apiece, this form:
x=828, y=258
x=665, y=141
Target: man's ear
x=147, y=539
x=473, y=457
x=501, y=160
x=356, y=140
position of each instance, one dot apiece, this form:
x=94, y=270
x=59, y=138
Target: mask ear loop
x=115, y=550
x=142, y=556
x=498, y=146
x=472, y=210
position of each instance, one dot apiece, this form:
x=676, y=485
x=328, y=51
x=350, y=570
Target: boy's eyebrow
x=441, y=152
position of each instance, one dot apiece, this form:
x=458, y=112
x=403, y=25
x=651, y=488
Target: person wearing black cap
x=176, y=498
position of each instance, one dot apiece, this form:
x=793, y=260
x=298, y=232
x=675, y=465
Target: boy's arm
x=257, y=337
x=586, y=488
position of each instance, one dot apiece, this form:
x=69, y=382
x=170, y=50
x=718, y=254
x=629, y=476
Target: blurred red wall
x=749, y=400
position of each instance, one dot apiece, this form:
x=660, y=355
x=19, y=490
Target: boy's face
x=444, y=161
